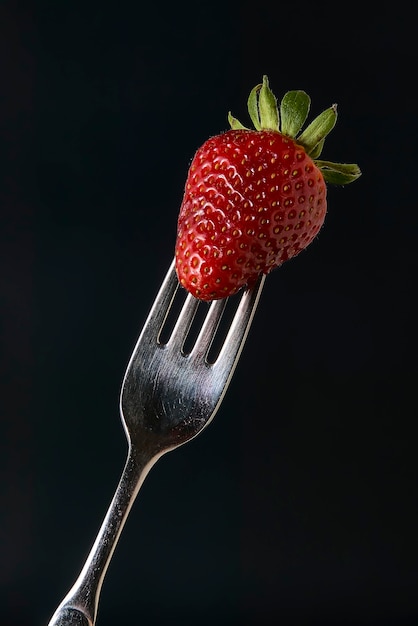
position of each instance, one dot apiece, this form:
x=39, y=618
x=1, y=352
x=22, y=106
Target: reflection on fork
x=173, y=386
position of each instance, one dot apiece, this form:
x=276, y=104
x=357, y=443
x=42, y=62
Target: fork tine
x=183, y=322
x=161, y=305
x=239, y=328
x=208, y=330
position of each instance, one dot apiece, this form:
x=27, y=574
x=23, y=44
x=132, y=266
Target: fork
x=169, y=395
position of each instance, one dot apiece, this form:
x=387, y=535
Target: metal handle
x=69, y=617
x=79, y=607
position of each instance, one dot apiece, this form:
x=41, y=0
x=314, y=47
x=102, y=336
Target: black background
x=298, y=505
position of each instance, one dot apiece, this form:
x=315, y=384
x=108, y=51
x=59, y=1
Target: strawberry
x=255, y=198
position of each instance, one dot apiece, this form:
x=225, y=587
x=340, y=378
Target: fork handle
x=79, y=607
x=70, y=617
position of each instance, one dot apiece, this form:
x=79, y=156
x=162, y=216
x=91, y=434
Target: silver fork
x=167, y=398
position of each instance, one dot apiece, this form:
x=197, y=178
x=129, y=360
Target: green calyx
x=289, y=118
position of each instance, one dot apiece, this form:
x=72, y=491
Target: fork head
x=170, y=393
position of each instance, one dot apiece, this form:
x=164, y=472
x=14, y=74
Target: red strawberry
x=255, y=198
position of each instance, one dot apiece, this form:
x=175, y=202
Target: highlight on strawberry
x=255, y=198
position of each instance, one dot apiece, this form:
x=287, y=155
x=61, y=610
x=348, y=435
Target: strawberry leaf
x=339, y=173
x=294, y=109
x=318, y=129
x=234, y=123
x=316, y=152
x=267, y=106
x=253, y=107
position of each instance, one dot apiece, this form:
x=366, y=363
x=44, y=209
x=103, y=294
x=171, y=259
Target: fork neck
x=79, y=607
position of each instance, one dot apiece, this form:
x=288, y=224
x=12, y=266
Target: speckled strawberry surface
x=254, y=198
